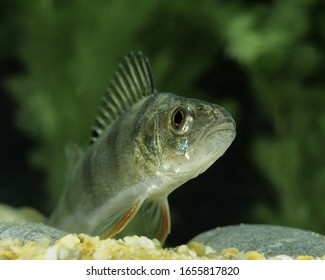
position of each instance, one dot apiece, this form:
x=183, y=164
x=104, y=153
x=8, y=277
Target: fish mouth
x=226, y=123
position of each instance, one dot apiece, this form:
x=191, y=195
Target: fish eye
x=179, y=120
x=178, y=117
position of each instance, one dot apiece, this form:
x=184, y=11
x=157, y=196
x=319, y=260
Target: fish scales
x=144, y=145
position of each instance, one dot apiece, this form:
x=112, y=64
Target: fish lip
x=223, y=125
x=226, y=123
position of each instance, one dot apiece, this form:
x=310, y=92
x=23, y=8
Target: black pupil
x=178, y=117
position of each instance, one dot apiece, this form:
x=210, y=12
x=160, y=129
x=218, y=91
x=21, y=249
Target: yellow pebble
x=229, y=252
x=305, y=258
x=8, y=255
x=197, y=247
x=88, y=245
x=253, y=255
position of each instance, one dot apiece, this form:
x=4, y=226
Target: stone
x=27, y=231
x=269, y=240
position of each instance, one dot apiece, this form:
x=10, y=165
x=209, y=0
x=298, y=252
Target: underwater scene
x=262, y=62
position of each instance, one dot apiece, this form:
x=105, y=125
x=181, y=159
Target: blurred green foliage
x=263, y=60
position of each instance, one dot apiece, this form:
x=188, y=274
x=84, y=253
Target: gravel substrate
x=82, y=246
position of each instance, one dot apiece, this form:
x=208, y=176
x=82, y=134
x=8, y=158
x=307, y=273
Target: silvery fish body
x=145, y=144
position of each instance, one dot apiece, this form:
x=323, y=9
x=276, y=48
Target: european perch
x=144, y=145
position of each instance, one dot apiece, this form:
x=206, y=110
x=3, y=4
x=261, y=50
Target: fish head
x=187, y=135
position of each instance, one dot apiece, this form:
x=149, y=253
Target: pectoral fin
x=117, y=222
x=156, y=218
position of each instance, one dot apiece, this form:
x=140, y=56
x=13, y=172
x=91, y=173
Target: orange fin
x=156, y=218
x=116, y=223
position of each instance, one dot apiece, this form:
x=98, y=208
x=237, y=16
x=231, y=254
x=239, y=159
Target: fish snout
x=224, y=120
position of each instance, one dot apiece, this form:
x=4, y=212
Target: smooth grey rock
x=266, y=239
x=29, y=231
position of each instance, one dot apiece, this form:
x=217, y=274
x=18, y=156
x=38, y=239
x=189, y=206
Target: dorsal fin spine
x=132, y=82
x=147, y=70
x=132, y=88
x=101, y=121
x=106, y=114
x=108, y=104
x=119, y=108
x=98, y=130
x=119, y=97
x=147, y=76
x=134, y=77
x=126, y=97
x=142, y=79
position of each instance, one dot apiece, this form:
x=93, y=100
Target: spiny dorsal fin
x=132, y=81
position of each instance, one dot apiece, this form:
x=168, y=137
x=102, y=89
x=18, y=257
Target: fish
x=144, y=145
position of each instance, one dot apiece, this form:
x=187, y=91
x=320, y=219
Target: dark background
x=262, y=60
